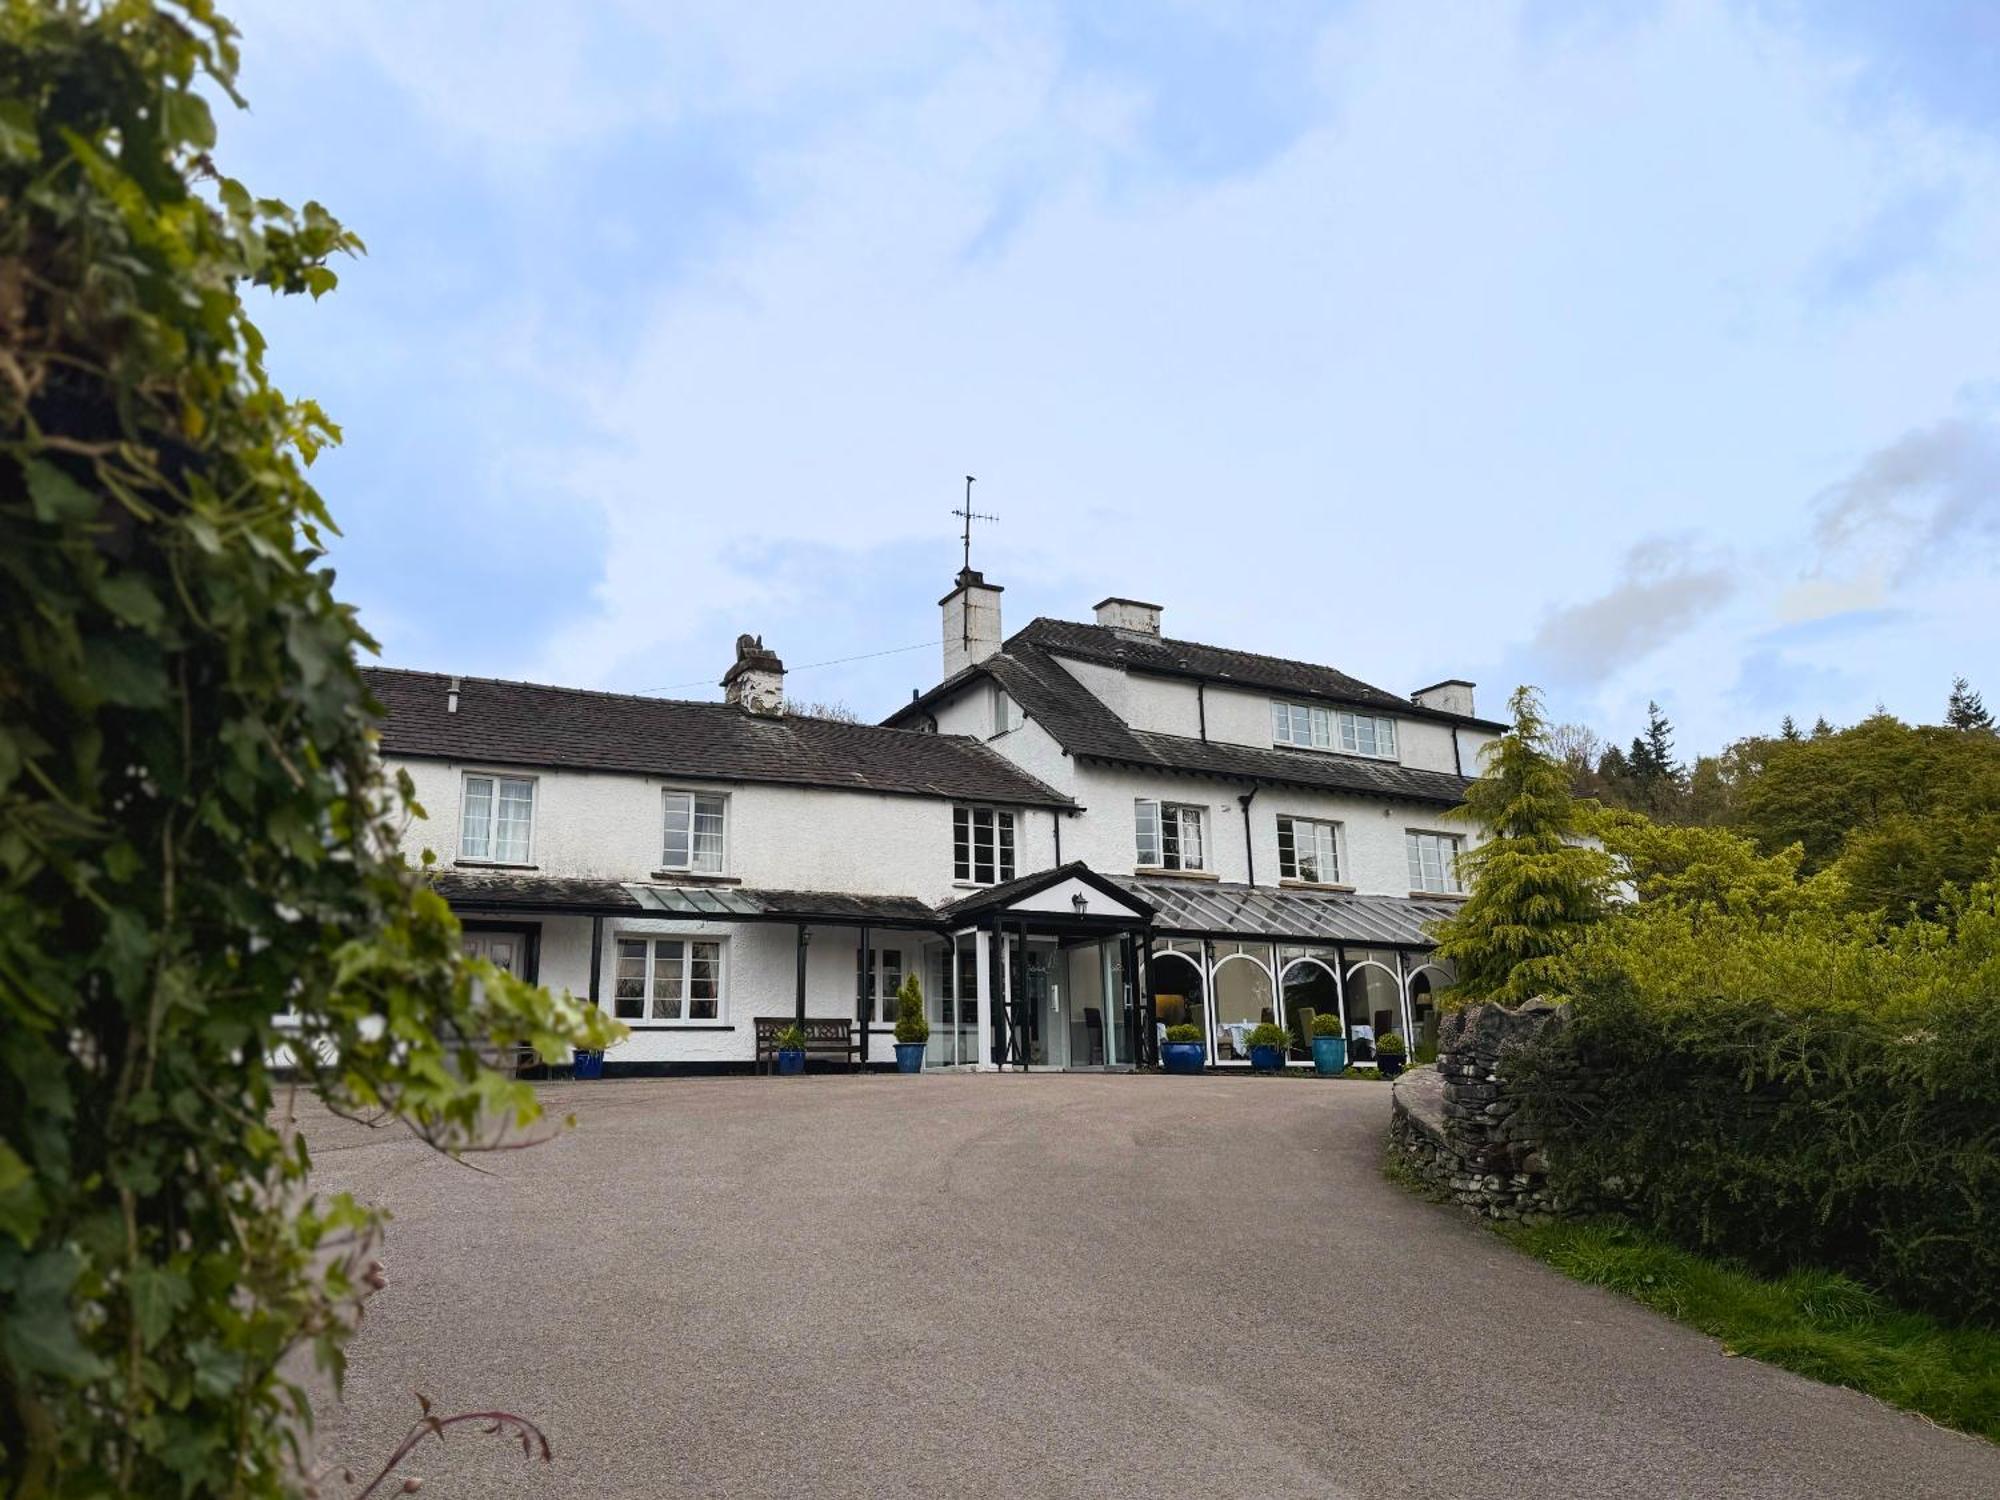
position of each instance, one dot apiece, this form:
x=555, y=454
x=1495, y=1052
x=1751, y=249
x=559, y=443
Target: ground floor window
x=876, y=985
x=1308, y=983
x=668, y=979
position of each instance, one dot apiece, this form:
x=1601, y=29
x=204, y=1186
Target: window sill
x=1384, y=760
x=1454, y=898
x=979, y=885
x=1315, y=885
x=489, y=864
x=1153, y=872
x=693, y=877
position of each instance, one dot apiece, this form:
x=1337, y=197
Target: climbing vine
x=200, y=896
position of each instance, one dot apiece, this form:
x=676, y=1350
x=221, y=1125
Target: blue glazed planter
x=1329, y=1056
x=1389, y=1064
x=585, y=1063
x=1267, y=1059
x=1182, y=1057
x=790, y=1062
x=909, y=1057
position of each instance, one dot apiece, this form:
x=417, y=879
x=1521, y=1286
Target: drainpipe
x=1201, y=707
x=1055, y=819
x=1249, y=850
x=1457, y=762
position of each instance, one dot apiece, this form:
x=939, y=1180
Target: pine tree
x=1534, y=886
x=1659, y=743
x=1789, y=730
x=1821, y=729
x=1965, y=709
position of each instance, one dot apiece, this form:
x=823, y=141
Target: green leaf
x=56, y=496
x=18, y=141
x=126, y=671
x=40, y=1334
x=130, y=597
x=20, y=1199
x=156, y=1295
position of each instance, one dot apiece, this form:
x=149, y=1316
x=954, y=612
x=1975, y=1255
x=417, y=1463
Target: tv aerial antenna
x=969, y=515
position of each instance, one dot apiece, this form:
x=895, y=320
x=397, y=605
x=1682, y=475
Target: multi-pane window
x=875, y=987
x=497, y=819
x=694, y=832
x=1301, y=724
x=1169, y=836
x=668, y=979
x=1313, y=728
x=1368, y=734
x=1309, y=850
x=982, y=845
x=1433, y=862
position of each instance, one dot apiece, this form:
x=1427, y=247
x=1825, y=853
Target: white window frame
x=1383, y=728
x=1151, y=819
x=1451, y=846
x=652, y=943
x=495, y=780
x=882, y=997
x=1334, y=847
x=692, y=798
x=969, y=814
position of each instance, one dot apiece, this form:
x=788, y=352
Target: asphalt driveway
x=1038, y=1286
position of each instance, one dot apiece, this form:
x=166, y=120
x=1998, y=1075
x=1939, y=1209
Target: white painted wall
x=610, y=826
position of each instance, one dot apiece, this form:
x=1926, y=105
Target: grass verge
x=1817, y=1323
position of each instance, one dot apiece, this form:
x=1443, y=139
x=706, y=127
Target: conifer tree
x=1789, y=730
x=1535, y=887
x=1965, y=709
x=1821, y=729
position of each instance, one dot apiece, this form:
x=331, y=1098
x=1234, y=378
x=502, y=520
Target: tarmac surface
x=1060, y=1285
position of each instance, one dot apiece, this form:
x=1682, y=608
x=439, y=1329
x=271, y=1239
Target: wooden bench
x=826, y=1036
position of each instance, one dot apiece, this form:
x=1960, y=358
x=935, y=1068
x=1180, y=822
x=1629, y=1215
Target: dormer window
x=1309, y=727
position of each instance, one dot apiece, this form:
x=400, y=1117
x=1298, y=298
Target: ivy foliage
x=1536, y=882
x=197, y=869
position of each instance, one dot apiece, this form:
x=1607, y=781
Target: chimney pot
x=971, y=621
x=451, y=697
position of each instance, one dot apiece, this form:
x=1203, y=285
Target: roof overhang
x=1073, y=890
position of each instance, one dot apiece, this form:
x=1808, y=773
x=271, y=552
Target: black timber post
x=996, y=999
x=799, y=1000
x=864, y=992
x=596, y=960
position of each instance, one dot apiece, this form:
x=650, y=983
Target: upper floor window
x=1433, y=862
x=1309, y=850
x=497, y=819
x=982, y=845
x=1169, y=836
x=1003, y=711
x=694, y=832
x=1313, y=728
x=668, y=979
x=1368, y=734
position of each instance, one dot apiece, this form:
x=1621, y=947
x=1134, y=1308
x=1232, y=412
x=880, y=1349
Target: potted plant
x=791, y=1050
x=1329, y=1043
x=1389, y=1053
x=912, y=1030
x=1183, y=1051
x=1268, y=1043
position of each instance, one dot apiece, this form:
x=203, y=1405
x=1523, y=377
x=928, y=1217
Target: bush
x=1801, y=1089
x=911, y=1027
x=1269, y=1034
x=1391, y=1044
x=1185, y=1032
x=1328, y=1025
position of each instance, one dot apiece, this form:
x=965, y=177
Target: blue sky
x=1639, y=352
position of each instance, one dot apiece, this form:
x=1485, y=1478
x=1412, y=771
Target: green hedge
x=1860, y=1139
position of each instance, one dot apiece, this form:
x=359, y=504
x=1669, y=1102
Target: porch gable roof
x=1012, y=893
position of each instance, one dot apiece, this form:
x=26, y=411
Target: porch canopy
x=1221, y=909
x=598, y=899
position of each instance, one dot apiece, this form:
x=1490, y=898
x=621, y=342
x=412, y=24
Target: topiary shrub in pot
x=1390, y=1052
x=791, y=1051
x=1329, y=1044
x=913, y=1032
x=1268, y=1043
x=1183, y=1051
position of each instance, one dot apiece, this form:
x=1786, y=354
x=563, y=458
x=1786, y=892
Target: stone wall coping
x=1420, y=1093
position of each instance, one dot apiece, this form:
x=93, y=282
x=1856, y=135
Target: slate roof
x=510, y=891
x=1008, y=892
x=1084, y=725
x=525, y=724
x=1225, y=909
x=1277, y=674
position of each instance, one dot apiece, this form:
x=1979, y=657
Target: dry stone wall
x=1457, y=1125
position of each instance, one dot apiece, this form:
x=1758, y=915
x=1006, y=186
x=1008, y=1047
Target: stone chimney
x=756, y=681
x=971, y=621
x=1133, y=616
x=1452, y=696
